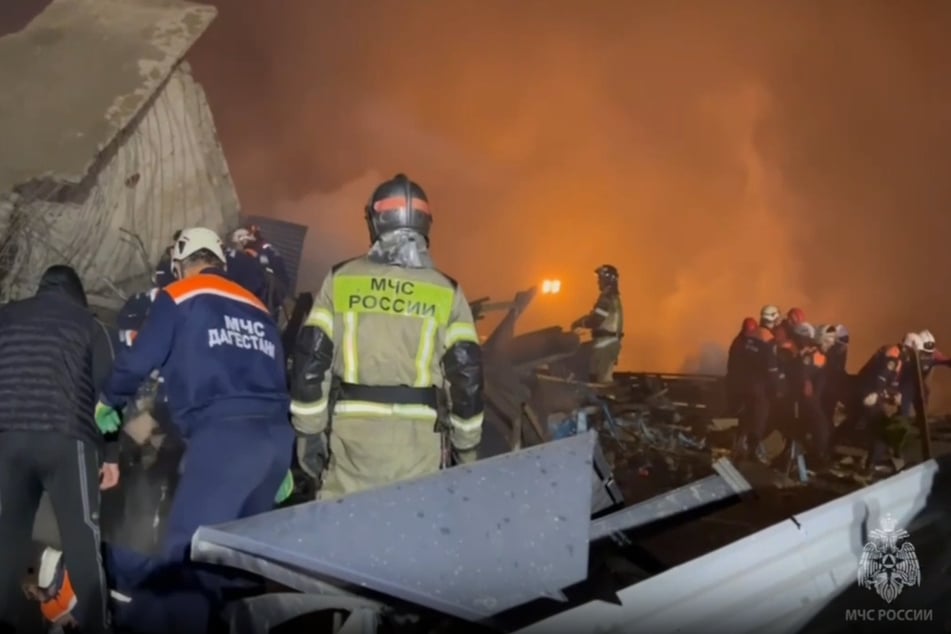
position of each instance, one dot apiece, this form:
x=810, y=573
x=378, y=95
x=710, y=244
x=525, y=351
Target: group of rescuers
x=785, y=374
x=384, y=383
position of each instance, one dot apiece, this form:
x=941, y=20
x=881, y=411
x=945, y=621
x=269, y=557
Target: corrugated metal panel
x=288, y=238
x=776, y=580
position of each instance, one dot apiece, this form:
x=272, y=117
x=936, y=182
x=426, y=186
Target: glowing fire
x=551, y=287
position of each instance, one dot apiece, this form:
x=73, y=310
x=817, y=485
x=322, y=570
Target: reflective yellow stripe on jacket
x=355, y=295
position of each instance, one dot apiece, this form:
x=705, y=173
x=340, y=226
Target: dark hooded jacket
x=54, y=357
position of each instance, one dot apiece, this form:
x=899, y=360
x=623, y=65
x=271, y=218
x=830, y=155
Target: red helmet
x=796, y=316
x=749, y=326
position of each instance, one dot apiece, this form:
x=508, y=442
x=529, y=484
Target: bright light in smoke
x=551, y=287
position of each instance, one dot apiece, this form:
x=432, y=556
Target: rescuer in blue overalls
x=251, y=241
x=220, y=353
x=240, y=267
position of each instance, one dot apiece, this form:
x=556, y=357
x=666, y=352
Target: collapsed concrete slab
x=109, y=144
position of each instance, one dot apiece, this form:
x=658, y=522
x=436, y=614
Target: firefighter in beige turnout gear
x=388, y=331
x=606, y=322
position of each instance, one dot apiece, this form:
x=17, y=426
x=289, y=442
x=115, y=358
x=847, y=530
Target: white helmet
x=805, y=330
x=842, y=334
x=193, y=240
x=927, y=341
x=913, y=341
x=826, y=336
x=769, y=316
x=241, y=237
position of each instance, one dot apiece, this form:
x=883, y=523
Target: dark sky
x=722, y=154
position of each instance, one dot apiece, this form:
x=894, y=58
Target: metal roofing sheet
x=287, y=238
x=775, y=580
x=471, y=541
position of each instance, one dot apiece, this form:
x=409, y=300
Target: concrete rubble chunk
x=78, y=74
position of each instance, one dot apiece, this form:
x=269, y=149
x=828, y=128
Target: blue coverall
x=271, y=262
x=220, y=353
x=129, y=321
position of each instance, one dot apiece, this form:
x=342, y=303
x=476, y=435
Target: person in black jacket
x=54, y=356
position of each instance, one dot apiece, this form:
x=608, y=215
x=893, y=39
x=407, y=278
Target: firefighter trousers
x=604, y=355
x=367, y=453
x=232, y=469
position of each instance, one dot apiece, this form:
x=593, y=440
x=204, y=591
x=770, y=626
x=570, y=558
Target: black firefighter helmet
x=607, y=276
x=398, y=203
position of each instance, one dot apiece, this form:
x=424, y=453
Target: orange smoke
x=722, y=157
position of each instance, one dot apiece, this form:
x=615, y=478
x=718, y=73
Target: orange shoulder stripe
x=206, y=284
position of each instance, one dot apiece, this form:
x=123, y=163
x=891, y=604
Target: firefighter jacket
x=272, y=261
x=129, y=321
x=248, y=272
x=217, y=348
x=163, y=274
x=881, y=374
x=606, y=319
x=810, y=371
x=393, y=337
x=762, y=347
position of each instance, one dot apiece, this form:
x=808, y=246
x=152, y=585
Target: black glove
x=312, y=454
x=578, y=323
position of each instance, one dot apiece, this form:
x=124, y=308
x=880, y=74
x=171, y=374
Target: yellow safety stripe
x=365, y=408
x=424, y=354
x=309, y=409
x=393, y=296
x=466, y=424
x=350, y=347
x=459, y=332
x=323, y=319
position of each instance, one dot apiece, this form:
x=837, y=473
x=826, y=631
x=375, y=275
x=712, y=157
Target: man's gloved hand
x=577, y=324
x=312, y=453
x=107, y=418
x=287, y=487
x=465, y=456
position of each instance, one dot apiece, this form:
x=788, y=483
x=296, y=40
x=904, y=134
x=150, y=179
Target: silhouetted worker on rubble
x=809, y=381
x=741, y=364
x=606, y=323
x=394, y=330
x=251, y=241
x=928, y=357
x=220, y=353
x=879, y=394
x=785, y=330
x=762, y=389
x=838, y=382
x=54, y=356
